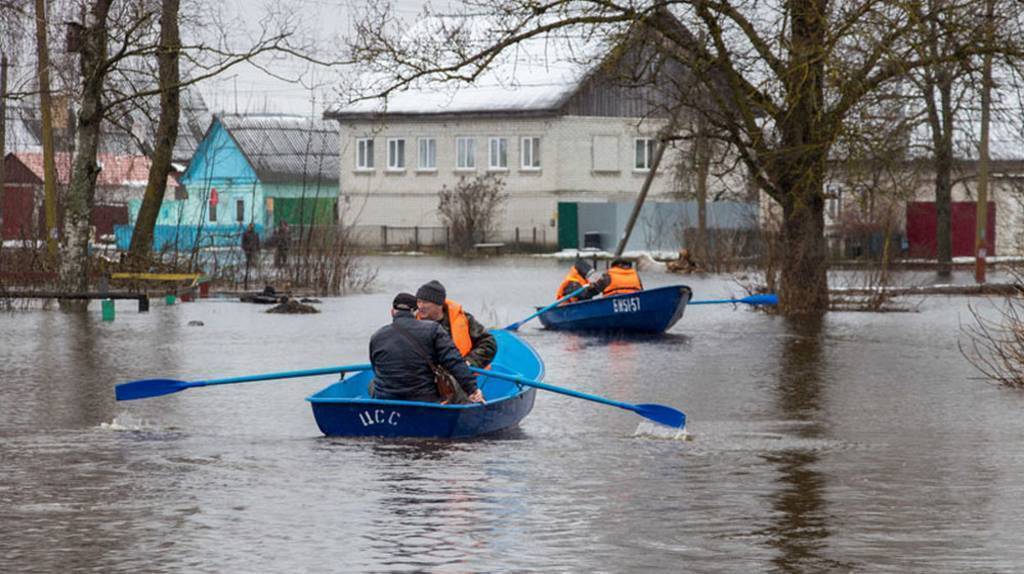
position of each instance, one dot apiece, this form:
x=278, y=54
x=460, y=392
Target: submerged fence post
x=108, y=309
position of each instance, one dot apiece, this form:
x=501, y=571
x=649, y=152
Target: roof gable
x=218, y=157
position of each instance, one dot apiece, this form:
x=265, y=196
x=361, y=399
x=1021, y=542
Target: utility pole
x=981, y=210
x=49, y=162
x=3, y=134
x=655, y=161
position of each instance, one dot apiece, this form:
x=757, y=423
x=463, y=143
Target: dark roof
x=286, y=148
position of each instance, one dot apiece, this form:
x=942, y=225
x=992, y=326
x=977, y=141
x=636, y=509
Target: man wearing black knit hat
x=470, y=337
x=401, y=354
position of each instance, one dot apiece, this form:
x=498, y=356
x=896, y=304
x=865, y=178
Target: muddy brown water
x=859, y=443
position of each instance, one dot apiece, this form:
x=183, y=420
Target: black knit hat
x=432, y=291
x=622, y=262
x=404, y=302
x=582, y=267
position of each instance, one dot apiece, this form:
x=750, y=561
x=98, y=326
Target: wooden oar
x=660, y=414
x=156, y=387
x=515, y=326
x=762, y=299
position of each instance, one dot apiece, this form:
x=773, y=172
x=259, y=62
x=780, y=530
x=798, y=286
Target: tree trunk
x=166, y=134
x=702, y=159
x=944, y=179
x=46, y=111
x=981, y=212
x=74, y=265
x=799, y=168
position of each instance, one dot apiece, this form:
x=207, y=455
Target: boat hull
x=647, y=311
x=345, y=408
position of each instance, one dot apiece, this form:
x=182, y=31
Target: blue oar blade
x=148, y=388
x=761, y=299
x=661, y=414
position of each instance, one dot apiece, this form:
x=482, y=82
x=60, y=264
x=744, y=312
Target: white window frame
x=396, y=154
x=427, y=154
x=364, y=154
x=465, y=159
x=643, y=146
x=529, y=154
x=648, y=154
x=240, y=202
x=497, y=154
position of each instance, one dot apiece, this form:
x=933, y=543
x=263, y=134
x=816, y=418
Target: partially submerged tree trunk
x=799, y=169
x=74, y=265
x=166, y=134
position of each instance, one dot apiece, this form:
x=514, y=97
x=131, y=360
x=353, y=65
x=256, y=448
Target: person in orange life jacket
x=620, y=278
x=580, y=274
x=402, y=351
x=471, y=338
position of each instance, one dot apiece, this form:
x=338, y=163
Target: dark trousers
x=423, y=398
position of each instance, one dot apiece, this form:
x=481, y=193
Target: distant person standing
x=251, y=248
x=282, y=243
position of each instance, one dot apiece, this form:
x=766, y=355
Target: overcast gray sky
x=246, y=88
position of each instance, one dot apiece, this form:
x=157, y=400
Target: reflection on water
x=801, y=531
x=855, y=443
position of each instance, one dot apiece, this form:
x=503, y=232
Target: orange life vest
x=460, y=327
x=573, y=277
x=623, y=281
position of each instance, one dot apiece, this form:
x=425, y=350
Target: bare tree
x=46, y=109
x=470, y=210
x=166, y=132
x=74, y=265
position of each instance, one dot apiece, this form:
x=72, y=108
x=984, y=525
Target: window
x=240, y=210
x=364, y=153
x=396, y=154
x=213, y=212
x=465, y=153
x=605, y=154
x=498, y=154
x=428, y=154
x=644, y=154
x=531, y=153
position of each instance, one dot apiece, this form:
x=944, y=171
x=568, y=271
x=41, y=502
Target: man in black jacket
x=399, y=354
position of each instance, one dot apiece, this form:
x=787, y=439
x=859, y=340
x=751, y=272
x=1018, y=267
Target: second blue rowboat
x=345, y=408
x=647, y=311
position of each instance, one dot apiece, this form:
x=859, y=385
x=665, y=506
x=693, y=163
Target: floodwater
x=860, y=443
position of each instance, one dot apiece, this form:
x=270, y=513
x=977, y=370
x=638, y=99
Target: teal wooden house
x=249, y=169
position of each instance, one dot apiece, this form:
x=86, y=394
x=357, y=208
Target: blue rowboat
x=345, y=408
x=647, y=311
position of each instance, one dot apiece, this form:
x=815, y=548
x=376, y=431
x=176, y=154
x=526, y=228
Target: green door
x=568, y=226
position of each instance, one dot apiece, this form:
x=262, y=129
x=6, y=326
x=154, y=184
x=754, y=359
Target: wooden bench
x=485, y=246
x=192, y=281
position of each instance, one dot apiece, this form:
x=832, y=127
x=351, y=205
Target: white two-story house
x=556, y=124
